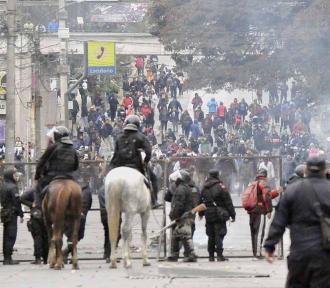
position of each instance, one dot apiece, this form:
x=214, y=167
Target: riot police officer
x=11, y=209
x=220, y=208
x=129, y=145
x=37, y=228
x=59, y=159
x=297, y=175
x=309, y=260
x=182, y=204
x=128, y=148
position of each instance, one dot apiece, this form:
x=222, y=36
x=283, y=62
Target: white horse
x=125, y=191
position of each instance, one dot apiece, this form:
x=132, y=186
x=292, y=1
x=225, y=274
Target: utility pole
x=37, y=96
x=10, y=103
x=63, y=34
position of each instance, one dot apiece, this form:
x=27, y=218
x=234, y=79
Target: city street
x=237, y=272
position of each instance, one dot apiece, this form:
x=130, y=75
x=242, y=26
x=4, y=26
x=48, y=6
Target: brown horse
x=62, y=207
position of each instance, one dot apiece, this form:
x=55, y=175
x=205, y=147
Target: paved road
x=234, y=274
x=238, y=272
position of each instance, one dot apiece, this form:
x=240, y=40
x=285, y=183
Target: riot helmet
x=60, y=134
x=185, y=176
x=132, y=119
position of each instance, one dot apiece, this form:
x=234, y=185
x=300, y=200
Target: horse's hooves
x=113, y=266
x=57, y=267
x=146, y=264
x=75, y=267
x=51, y=266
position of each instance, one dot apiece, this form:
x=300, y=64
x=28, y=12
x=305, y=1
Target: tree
x=246, y=43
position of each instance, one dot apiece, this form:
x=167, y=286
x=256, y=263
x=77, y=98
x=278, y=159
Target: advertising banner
x=101, y=58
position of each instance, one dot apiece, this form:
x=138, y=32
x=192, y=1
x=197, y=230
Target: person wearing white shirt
x=269, y=167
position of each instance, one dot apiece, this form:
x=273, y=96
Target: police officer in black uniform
x=220, y=208
x=297, y=175
x=83, y=180
x=37, y=228
x=128, y=148
x=11, y=209
x=129, y=145
x=182, y=204
x=309, y=261
x=59, y=159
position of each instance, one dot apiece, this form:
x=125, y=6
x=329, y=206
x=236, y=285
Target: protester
x=258, y=210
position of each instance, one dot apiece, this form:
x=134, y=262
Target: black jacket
x=9, y=194
x=127, y=150
x=182, y=200
x=58, y=159
x=296, y=210
x=87, y=197
x=27, y=198
x=214, y=193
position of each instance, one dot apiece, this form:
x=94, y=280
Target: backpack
x=250, y=196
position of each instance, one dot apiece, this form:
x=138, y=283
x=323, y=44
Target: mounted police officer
x=128, y=149
x=220, y=208
x=59, y=160
x=300, y=209
x=11, y=209
x=182, y=204
x=129, y=146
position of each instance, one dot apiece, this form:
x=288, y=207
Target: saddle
x=62, y=177
x=58, y=177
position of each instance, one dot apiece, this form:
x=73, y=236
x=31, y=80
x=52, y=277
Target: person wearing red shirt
x=263, y=208
x=222, y=111
x=128, y=101
x=145, y=109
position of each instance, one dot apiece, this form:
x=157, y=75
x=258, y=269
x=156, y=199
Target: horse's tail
x=114, y=211
x=61, y=205
x=67, y=199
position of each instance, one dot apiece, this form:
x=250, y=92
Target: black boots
x=37, y=261
x=221, y=258
x=191, y=258
x=9, y=261
x=174, y=257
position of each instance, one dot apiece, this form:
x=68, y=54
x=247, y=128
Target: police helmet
x=130, y=127
x=262, y=173
x=185, y=176
x=61, y=134
x=300, y=169
x=214, y=173
x=133, y=119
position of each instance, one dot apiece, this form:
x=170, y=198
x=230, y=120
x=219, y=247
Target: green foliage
x=247, y=43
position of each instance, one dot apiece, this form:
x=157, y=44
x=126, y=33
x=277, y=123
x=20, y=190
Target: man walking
x=262, y=208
